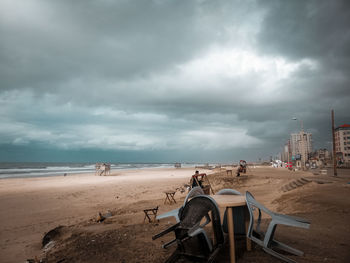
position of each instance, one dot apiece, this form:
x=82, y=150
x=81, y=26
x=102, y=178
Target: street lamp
x=301, y=123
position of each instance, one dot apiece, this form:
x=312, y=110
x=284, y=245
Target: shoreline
x=53, y=169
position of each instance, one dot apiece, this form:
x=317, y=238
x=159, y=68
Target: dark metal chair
x=192, y=240
x=175, y=212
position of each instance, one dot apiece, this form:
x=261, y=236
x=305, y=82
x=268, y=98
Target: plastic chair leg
x=174, y=257
x=278, y=255
x=286, y=248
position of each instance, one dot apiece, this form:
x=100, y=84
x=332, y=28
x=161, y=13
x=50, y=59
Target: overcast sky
x=166, y=81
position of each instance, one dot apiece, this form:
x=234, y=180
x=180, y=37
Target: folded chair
x=266, y=240
x=192, y=240
x=238, y=214
x=175, y=213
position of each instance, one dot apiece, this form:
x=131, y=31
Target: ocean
x=23, y=170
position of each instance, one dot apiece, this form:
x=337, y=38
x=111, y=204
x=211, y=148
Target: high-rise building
x=301, y=146
x=342, y=143
x=286, y=152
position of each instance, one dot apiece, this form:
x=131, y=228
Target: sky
x=169, y=80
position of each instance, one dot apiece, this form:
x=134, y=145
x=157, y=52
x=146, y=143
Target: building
x=322, y=154
x=320, y=158
x=342, y=143
x=286, y=156
x=301, y=146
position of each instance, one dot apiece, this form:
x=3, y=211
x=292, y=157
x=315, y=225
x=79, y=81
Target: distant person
x=195, y=178
x=238, y=171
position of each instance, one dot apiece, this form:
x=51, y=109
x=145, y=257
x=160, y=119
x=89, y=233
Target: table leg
x=172, y=196
x=231, y=234
x=167, y=199
x=146, y=216
x=247, y=221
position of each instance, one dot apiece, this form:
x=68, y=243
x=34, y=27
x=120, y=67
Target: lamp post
x=334, y=152
x=301, y=123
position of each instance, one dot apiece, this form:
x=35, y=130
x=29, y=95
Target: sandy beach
x=31, y=207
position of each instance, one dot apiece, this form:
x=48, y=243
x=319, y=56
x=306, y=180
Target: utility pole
x=334, y=154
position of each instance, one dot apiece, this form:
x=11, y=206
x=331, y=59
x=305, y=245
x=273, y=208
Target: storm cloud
x=169, y=80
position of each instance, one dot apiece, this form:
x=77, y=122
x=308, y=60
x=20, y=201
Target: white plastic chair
x=266, y=240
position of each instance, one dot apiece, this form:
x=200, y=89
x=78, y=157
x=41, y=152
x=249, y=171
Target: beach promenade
x=31, y=207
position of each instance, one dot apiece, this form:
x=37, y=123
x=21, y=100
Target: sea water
x=36, y=169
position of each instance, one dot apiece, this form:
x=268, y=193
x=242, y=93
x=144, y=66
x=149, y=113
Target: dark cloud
x=316, y=30
x=306, y=29
x=162, y=76
x=56, y=42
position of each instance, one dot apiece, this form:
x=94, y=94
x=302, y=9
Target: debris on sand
x=36, y=260
x=49, y=245
x=180, y=189
x=51, y=235
x=101, y=218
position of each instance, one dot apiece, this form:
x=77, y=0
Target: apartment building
x=285, y=155
x=342, y=143
x=322, y=154
x=301, y=145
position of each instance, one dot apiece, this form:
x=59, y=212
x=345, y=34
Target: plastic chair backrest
x=199, y=207
x=251, y=201
x=238, y=215
x=252, y=204
x=194, y=192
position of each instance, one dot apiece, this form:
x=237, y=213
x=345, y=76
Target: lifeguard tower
x=102, y=169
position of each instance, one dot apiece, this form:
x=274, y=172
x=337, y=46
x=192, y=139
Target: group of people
x=198, y=179
x=242, y=168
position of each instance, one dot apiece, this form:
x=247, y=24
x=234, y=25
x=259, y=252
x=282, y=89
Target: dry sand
x=31, y=207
